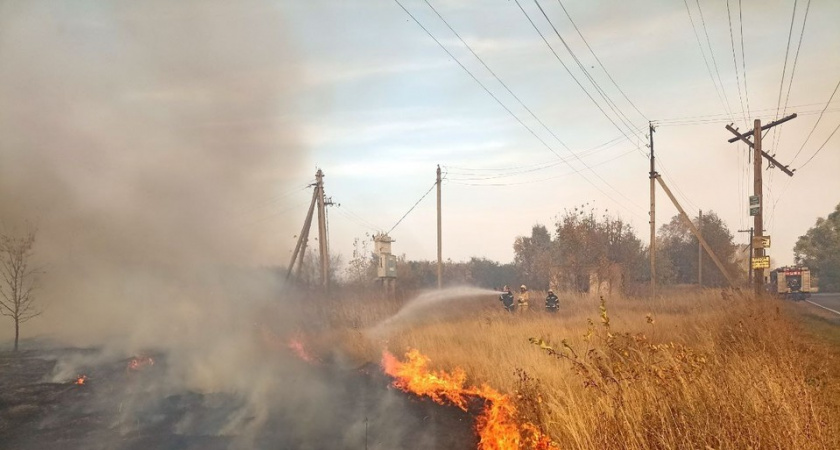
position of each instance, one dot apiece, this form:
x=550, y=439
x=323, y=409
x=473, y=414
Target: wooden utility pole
x=439, y=237
x=700, y=250
x=652, y=247
x=322, y=230
x=758, y=223
x=749, y=260
x=696, y=232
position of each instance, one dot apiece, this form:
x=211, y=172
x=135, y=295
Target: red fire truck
x=792, y=282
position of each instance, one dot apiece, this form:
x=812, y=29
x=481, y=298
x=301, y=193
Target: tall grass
x=689, y=371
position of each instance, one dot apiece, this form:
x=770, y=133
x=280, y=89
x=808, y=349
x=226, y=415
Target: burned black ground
x=118, y=408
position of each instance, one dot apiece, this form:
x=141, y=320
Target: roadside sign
x=761, y=262
x=754, y=200
x=754, y=210
x=761, y=242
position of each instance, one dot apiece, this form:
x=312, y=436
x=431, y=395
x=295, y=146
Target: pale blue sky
x=198, y=124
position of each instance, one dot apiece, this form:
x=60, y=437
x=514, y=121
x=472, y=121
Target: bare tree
x=19, y=279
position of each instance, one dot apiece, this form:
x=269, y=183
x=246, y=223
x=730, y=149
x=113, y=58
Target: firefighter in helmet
x=552, y=303
x=507, y=299
x=522, y=300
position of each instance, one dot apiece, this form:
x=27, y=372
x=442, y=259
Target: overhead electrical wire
x=743, y=57
x=600, y=63
x=820, y=148
x=531, y=131
x=518, y=183
x=526, y=107
x=793, y=71
x=705, y=60
x=735, y=63
x=714, y=60
x=610, y=104
x=412, y=208
x=816, y=123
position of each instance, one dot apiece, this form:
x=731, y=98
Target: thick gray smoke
x=137, y=137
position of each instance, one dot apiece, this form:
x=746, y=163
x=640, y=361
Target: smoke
x=137, y=137
x=424, y=303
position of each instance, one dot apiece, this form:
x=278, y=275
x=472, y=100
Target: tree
x=588, y=245
x=677, y=248
x=819, y=249
x=532, y=257
x=19, y=280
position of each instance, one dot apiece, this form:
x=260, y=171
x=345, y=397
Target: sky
x=150, y=127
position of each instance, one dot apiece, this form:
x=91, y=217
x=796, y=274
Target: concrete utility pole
x=749, y=261
x=700, y=250
x=322, y=230
x=653, y=176
x=303, y=237
x=439, y=236
x=758, y=223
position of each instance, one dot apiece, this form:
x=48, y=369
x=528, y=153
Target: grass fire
x=419, y=224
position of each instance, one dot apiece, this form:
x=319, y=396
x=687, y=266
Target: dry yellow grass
x=688, y=371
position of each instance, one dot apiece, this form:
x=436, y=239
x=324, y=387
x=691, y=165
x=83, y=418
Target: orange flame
x=296, y=346
x=139, y=362
x=496, y=426
x=81, y=379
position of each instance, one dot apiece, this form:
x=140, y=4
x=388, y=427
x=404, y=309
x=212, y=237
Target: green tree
x=533, y=257
x=678, y=247
x=819, y=249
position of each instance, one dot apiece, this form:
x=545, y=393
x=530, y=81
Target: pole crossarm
x=765, y=127
x=697, y=233
x=769, y=157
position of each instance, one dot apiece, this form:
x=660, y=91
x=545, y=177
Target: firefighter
x=522, y=300
x=507, y=299
x=552, y=303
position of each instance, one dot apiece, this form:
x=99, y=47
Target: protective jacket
x=552, y=303
x=507, y=300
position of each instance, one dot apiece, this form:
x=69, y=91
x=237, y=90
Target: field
x=689, y=370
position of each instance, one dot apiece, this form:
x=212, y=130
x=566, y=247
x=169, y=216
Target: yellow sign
x=761, y=242
x=761, y=262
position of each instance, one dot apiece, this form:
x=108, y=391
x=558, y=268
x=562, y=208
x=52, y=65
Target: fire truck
x=791, y=282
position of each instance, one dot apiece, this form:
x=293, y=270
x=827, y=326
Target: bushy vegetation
x=688, y=371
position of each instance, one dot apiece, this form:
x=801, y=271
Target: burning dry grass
x=694, y=371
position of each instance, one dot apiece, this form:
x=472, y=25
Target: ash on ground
x=120, y=403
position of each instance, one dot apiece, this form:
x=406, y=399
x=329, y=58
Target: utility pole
x=758, y=222
x=652, y=247
x=758, y=214
x=303, y=237
x=749, y=261
x=322, y=231
x=439, y=237
x=700, y=250
x=696, y=232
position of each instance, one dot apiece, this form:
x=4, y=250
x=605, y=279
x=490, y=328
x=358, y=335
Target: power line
x=703, y=54
x=463, y=183
x=517, y=118
x=714, y=60
x=793, y=69
x=821, y=147
x=743, y=58
x=787, y=52
x=735, y=63
x=412, y=208
x=600, y=63
x=816, y=123
x=617, y=111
